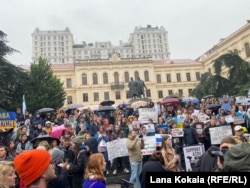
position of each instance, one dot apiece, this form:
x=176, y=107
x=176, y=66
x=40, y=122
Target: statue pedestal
x=142, y=99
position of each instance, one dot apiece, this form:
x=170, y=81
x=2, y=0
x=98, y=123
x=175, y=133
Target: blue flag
x=24, y=105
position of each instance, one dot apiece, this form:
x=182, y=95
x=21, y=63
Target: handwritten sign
x=177, y=132
x=148, y=113
x=117, y=148
x=217, y=133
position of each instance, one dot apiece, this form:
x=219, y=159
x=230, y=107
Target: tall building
x=55, y=46
x=59, y=47
x=150, y=42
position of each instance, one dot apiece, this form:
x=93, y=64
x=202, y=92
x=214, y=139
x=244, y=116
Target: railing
x=117, y=85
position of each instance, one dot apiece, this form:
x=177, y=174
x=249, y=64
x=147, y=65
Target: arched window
x=84, y=79
x=116, y=77
x=126, y=77
x=95, y=79
x=247, y=49
x=146, y=77
x=136, y=75
x=105, y=78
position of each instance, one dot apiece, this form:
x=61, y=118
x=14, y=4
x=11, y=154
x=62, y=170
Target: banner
x=7, y=120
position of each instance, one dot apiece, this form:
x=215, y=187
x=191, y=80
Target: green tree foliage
x=13, y=79
x=235, y=82
x=44, y=88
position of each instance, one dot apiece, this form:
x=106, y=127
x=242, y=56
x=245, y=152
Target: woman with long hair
x=171, y=160
x=7, y=174
x=94, y=173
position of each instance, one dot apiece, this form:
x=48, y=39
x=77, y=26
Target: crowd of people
x=69, y=149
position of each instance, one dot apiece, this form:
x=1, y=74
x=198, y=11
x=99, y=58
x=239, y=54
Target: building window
x=146, y=76
x=69, y=99
x=105, y=78
x=190, y=91
x=95, y=79
x=106, y=95
x=136, y=73
x=168, y=77
x=178, y=77
x=180, y=92
x=158, y=78
x=128, y=94
x=170, y=92
x=84, y=79
x=117, y=95
x=126, y=77
x=85, y=97
x=198, y=76
x=247, y=49
x=96, y=96
x=116, y=77
x=68, y=83
x=160, y=94
x=148, y=93
x=188, y=76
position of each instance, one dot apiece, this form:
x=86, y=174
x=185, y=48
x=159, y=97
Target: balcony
x=117, y=85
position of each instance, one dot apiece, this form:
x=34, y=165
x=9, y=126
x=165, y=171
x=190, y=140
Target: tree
x=44, y=88
x=12, y=78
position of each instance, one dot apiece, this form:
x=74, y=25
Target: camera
x=140, y=136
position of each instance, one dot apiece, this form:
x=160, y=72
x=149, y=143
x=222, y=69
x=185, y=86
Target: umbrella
x=106, y=109
x=58, y=131
x=208, y=96
x=190, y=99
x=46, y=138
x=107, y=103
x=138, y=104
x=170, y=96
x=46, y=110
x=213, y=106
x=74, y=106
x=170, y=100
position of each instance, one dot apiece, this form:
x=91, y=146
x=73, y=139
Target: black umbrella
x=213, y=106
x=106, y=109
x=208, y=96
x=107, y=103
x=46, y=110
x=74, y=106
x=47, y=138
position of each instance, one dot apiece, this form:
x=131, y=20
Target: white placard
x=192, y=155
x=149, y=145
x=217, y=133
x=177, y=132
x=117, y=148
x=148, y=113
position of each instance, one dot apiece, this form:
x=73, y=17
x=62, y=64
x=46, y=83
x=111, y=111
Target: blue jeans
x=136, y=168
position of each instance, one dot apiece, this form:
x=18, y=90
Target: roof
x=174, y=61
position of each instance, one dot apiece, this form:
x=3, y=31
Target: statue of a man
x=141, y=86
x=133, y=88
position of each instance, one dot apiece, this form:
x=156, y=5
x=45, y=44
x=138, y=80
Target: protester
x=94, y=173
x=134, y=145
x=171, y=160
x=155, y=163
x=34, y=168
x=239, y=134
x=4, y=154
x=7, y=174
x=236, y=159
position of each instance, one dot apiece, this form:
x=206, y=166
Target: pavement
x=113, y=180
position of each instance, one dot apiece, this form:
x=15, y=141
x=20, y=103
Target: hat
x=78, y=139
x=238, y=127
x=57, y=155
x=31, y=164
x=129, y=117
x=92, y=144
x=48, y=122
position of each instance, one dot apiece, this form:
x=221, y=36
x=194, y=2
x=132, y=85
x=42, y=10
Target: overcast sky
x=193, y=26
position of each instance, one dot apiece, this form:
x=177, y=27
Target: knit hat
x=92, y=144
x=56, y=154
x=31, y=164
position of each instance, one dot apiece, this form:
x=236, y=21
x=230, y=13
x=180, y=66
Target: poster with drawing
x=192, y=155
